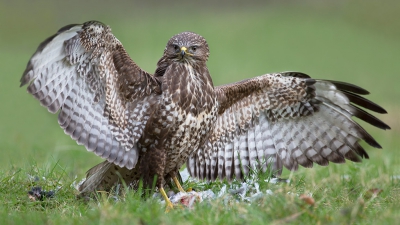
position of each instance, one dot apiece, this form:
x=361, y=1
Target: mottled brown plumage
x=149, y=125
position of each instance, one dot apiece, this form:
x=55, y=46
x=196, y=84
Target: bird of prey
x=147, y=126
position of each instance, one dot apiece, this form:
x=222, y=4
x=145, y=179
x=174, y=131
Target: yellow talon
x=168, y=203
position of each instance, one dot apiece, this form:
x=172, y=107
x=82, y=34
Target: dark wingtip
x=349, y=87
x=363, y=102
x=377, y=145
x=360, y=151
x=365, y=116
x=368, y=138
x=372, y=142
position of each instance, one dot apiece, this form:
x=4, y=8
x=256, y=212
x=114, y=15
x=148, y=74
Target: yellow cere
x=186, y=51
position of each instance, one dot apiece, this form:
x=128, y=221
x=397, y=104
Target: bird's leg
x=152, y=165
x=178, y=185
x=168, y=202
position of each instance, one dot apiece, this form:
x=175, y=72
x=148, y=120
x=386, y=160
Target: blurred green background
x=355, y=41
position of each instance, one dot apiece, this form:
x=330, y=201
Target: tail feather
x=106, y=175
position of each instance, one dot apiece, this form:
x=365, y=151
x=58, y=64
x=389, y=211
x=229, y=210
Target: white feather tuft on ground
x=247, y=191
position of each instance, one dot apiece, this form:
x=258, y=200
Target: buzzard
x=147, y=126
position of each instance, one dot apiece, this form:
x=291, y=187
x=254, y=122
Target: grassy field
x=339, y=42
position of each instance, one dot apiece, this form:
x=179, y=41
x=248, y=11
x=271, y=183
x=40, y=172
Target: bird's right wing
x=103, y=97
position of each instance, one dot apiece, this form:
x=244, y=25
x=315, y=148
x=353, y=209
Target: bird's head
x=187, y=47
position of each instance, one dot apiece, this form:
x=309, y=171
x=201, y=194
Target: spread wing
x=103, y=97
x=285, y=119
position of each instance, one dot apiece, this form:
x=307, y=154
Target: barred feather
x=148, y=125
x=287, y=120
x=74, y=72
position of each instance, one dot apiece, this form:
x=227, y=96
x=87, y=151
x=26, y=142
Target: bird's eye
x=193, y=48
x=176, y=48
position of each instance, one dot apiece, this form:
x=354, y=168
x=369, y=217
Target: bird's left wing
x=103, y=97
x=284, y=119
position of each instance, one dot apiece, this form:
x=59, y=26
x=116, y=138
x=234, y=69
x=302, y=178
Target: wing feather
x=285, y=119
x=102, y=96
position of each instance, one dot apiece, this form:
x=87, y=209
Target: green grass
x=341, y=195
x=329, y=42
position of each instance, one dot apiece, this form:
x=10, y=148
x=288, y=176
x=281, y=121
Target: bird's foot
x=169, y=206
x=168, y=203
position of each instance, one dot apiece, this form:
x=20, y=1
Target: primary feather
x=148, y=125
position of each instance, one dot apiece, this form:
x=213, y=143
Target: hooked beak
x=183, y=51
